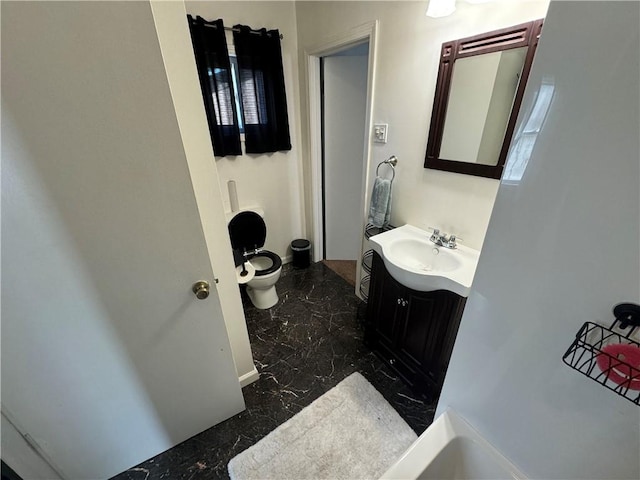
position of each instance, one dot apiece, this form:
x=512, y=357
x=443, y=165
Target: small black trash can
x=301, y=249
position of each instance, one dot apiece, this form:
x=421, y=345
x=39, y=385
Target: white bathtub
x=451, y=449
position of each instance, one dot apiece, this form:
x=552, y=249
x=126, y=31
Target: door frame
x=365, y=32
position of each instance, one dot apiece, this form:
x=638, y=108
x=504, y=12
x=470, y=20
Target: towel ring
x=392, y=161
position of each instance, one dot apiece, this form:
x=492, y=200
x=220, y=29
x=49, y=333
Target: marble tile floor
x=302, y=347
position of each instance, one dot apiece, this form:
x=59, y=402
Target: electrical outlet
x=380, y=131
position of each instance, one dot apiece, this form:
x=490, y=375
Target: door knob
x=201, y=289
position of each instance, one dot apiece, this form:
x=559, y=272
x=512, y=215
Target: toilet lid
x=247, y=231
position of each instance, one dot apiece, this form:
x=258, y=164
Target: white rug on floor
x=350, y=432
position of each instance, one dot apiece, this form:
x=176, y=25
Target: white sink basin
x=416, y=262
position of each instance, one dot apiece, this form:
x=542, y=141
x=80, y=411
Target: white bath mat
x=350, y=432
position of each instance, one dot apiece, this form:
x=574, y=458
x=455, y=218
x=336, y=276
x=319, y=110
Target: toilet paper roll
x=251, y=272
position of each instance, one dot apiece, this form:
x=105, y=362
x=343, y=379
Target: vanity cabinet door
x=426, y=336
x=412, y=331
x=383, y=306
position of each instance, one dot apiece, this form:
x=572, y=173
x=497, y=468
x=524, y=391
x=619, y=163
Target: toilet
x=248, y=232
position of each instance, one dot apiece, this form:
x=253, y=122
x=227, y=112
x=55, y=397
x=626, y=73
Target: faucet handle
x=453, y=241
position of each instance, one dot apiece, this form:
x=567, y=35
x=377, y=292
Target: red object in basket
x=621, y=362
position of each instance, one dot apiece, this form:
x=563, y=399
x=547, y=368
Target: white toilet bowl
x=262, y=287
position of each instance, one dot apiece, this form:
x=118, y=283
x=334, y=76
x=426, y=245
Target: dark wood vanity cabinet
x=412, y=331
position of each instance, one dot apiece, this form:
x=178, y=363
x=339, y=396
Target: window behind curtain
x=235, y=75
x=266, y=123
x=221, y=96
x=216, y=82
x=252, y=87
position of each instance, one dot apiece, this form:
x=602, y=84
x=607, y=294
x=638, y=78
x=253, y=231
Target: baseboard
x=249, y=378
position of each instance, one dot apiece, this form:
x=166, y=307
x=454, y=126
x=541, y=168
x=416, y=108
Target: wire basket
x=367, y=260
x=370, y=230
x=364, y=287
x=609, y=355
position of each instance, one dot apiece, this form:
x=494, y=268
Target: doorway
x=343, y=78
x=328, y=190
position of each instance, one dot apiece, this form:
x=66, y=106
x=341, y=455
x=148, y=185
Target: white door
x=344, y=110
x=108, y=358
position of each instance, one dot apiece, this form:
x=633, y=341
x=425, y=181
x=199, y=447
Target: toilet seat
x=276, y=262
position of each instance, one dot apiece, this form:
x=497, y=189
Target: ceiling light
x=440, y=8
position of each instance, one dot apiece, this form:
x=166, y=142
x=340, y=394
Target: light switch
x=380, y=132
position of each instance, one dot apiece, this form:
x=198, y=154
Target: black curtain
x=264, y=102
x=214, y=70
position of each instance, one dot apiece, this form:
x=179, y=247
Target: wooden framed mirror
x=479, y=89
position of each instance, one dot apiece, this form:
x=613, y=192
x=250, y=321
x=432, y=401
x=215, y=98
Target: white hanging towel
x=380, y=208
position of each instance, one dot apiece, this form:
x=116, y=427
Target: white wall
x=274, y=181
x=407, y=66
x=408, y=52
x=562, y=248
x=345, y=104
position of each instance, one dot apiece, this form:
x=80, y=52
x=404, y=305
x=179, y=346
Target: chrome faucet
x=442, y=240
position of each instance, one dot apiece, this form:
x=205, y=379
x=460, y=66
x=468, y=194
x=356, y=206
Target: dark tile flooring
x=302, y=347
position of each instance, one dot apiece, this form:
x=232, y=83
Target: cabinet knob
x=392, y=361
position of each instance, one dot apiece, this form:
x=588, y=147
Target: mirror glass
x=482, y=92
x=480, y=83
